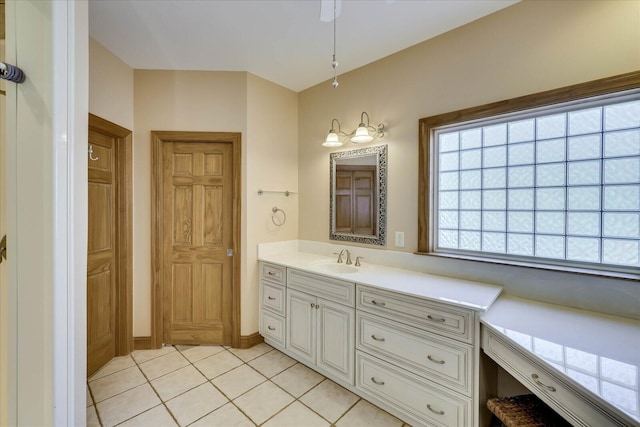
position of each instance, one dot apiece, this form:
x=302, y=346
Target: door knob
x=3, y=248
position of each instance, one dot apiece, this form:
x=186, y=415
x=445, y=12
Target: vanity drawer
x=321, y=286
x=273, y=273
x=566, y=399
x=425, y=402
x=273, y=298
x=446, y=361
x=438, y=318
x=273, y=327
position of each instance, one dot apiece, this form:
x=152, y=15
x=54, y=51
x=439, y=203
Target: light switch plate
x=400, y=239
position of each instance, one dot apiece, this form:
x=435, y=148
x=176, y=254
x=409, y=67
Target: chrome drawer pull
x=439, y=362
x=377, y=339
x=271, y=328
x=379, y=304
x=435, y=319
x=375, y=381
x=536, y=379
x=434, y=411
x=271, y=298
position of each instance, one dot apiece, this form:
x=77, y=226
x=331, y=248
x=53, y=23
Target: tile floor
x=220, y=386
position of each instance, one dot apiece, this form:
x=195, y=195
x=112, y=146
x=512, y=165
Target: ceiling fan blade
x=326, y=9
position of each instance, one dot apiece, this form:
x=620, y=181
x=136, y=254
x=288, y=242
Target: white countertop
x=461, y=293
x=598, y=352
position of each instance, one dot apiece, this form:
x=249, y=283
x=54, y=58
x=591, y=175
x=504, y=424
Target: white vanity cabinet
x=395, y=339
x=321, y=330
x=273, y=303
x=416, y=357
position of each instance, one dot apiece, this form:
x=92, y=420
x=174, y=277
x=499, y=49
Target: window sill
x=547, y=267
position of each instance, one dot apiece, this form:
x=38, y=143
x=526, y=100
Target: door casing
x=158, y=138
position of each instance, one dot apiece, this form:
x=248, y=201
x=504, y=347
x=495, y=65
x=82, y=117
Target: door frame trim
x=124, y=287
x=158, y=138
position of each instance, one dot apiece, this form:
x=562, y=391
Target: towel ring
x=277, y=222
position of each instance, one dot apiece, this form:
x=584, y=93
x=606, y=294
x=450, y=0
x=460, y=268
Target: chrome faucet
x=348, y=256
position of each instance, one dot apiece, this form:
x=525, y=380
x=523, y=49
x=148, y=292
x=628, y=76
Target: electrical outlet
x=399, y=239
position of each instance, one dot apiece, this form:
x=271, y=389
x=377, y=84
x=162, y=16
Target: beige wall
x=272, y=164
x=110, y=86
x=526, y=48
x=265, y=114
x=178, y=101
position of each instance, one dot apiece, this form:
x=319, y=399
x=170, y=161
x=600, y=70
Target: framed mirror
x=358, y=193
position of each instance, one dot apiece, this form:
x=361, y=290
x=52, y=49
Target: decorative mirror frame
x=380, y=238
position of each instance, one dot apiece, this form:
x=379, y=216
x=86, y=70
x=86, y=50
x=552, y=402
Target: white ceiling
x=283, y=41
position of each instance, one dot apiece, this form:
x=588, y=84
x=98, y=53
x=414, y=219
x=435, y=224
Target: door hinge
x=229, y=252
x=3, y=248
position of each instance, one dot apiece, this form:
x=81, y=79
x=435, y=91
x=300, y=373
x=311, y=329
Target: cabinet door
x=301, y=325
x=336, y=329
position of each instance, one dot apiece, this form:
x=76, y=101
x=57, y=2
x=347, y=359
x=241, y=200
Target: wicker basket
x=525, y=411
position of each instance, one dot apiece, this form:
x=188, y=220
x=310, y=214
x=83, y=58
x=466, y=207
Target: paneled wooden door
x=355, y=199
x=198, y=208
x=108, y=244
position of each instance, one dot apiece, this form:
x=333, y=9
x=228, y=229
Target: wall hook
x=91, y=154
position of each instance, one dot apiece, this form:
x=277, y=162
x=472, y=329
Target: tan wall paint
x=178, y=101
x=110, y=86
x=526, y=48
x=272, y=164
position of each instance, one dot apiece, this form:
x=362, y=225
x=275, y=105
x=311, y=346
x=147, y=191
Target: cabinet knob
x=439, y=362
x=375, y=381
x=536, y=379
x=433, y=410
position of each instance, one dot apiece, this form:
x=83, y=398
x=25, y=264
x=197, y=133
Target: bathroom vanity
x=585, y=365
x=408, y=342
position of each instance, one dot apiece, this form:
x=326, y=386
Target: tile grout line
x=229, y=400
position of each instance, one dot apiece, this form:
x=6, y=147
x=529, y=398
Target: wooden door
x=355, y=199
x=364, y=186
x=197, y=271
x=102, y=256
x=344, y=201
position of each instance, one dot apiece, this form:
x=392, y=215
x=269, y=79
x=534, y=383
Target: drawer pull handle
x=271, y=273
x=271, y=298
x=378, y=303
x=433, y=410
x=271, y=328
x=435, y=319
x=439, y=362
x=375, y=381
x=536, y=379
x=377, y=339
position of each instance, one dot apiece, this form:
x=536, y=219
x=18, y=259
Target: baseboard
x=142, y=343
x=248, y=341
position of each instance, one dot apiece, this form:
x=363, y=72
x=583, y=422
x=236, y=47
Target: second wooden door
x=197, y=246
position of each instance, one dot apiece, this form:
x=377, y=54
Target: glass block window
x=556, y=185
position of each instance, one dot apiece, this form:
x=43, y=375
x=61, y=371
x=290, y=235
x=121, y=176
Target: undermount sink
x=333, y=267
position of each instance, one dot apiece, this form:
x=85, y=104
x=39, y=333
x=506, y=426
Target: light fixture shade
x=332, y=140
x=362, y=135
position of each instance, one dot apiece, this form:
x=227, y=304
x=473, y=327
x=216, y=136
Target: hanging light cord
x=334, y=63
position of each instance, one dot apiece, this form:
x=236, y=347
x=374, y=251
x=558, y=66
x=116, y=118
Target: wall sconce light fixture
x=363, y=133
